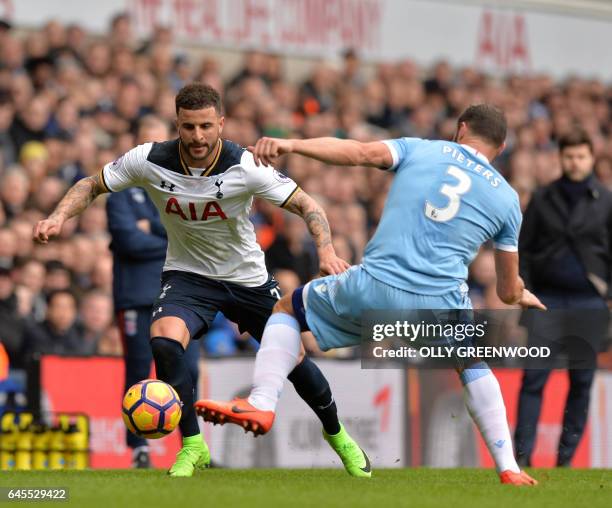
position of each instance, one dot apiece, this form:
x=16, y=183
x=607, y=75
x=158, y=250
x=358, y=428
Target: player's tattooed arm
x=306, y=207
x=77, y=199
x=315, y=218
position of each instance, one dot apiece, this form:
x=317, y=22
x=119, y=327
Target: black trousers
x=574, y=416
x=580, y=379
x=134, y=326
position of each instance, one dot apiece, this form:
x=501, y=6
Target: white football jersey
x=206, y=217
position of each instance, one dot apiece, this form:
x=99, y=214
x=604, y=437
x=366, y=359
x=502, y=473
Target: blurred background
x=76, y=77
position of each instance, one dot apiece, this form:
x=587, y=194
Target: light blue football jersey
x=446, y=200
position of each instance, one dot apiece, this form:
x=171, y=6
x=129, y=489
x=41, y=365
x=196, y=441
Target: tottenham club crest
x=218, y=184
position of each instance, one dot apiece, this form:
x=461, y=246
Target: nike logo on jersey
x=211, y=209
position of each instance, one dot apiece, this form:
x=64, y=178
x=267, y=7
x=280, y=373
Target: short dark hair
x=486, y=121
x=576, y=137
x=198, y=96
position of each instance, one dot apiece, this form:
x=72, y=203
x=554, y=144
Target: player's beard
x=199, y=157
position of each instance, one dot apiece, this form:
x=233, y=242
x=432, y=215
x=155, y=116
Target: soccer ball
x=151, y=409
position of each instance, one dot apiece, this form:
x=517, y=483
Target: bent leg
x=169, y=339
x=307, y=379
x=251, y=310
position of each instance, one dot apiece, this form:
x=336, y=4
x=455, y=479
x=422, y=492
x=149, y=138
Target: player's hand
x=46, y=229
x=330, y=264
x=530, y=301
x=267, y=150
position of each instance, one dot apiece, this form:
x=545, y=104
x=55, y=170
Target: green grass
x=319, y=488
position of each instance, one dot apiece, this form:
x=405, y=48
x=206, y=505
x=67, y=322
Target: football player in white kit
x=203, y=187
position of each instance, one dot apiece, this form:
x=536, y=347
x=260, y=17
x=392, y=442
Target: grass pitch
x=320, y=488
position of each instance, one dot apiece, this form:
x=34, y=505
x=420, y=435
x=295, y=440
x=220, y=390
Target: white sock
x=485, y=404
x=277, y=357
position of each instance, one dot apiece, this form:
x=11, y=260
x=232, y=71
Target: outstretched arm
x=77, y=199
x=340, y=152
x=314, y=216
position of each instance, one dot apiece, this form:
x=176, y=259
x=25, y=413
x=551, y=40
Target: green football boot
x=355, y=460
x=193, y=455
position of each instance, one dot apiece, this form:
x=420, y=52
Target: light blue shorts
x=334, y=304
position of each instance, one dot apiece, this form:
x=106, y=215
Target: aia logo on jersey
x=211, y=209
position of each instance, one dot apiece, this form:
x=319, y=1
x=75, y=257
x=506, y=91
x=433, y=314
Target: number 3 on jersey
x=453, y=193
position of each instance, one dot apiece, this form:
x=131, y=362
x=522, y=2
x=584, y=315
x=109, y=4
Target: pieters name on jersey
x=472, y=165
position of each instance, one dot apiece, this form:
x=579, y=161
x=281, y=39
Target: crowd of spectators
x=70, y=102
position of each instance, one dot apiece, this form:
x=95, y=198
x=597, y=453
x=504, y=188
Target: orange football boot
x=512, y=478
x=237, y=411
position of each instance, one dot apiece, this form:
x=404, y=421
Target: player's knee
x=171, y=327
x=284, y=305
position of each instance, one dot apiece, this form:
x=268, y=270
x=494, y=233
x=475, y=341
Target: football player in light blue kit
x=445, y=202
